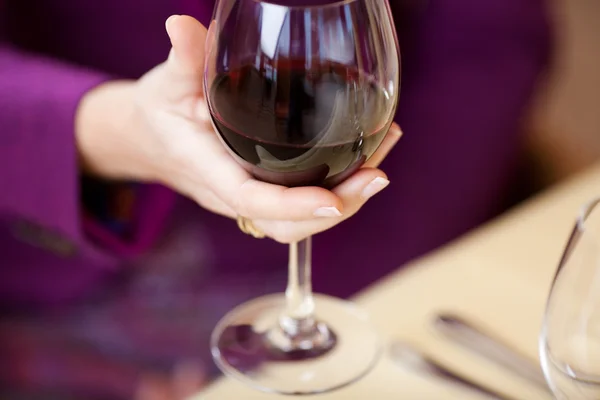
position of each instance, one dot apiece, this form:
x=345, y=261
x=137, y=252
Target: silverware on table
x=488, y=346
x=410, y=357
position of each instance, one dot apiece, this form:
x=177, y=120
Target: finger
x=259, y=200
x=361, y=186
x=190, y=186
x=220, y=173
x=214, y=204
x=251, y=198
x=188, y=39
x=354, y=193
x=186, y=59
x=391, y=138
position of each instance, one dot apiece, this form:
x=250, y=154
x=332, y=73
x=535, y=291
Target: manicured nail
x=328, y=212
x=376, y=186
x=395, y=129
x=170, y=20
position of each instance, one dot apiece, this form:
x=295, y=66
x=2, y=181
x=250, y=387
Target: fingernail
x=376, y=186
x=328, y=212
x=170, y=20
x=396, y=130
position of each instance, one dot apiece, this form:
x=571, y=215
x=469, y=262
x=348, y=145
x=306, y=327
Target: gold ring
x=248, y=227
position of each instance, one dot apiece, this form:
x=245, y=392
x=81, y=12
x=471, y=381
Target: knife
x=484, y=344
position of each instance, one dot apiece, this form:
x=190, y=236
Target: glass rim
x=337, y=3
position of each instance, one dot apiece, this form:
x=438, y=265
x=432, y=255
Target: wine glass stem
x=299, y=300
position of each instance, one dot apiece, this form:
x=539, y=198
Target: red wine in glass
x=302, y=93
x=307, y=128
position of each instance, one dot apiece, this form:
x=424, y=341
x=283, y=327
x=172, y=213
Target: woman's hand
x=158, y=129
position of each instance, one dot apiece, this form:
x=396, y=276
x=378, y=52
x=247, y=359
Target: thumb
x=186, y=59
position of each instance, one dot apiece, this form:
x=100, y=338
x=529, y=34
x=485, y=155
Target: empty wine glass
x=302, y=92
x=570, y=338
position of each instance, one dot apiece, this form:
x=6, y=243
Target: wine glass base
x=249, y=344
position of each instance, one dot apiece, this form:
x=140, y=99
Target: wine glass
x=570, y=338
x=302, y=93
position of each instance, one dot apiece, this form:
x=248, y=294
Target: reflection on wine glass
x=570, y=339
x=300, y=94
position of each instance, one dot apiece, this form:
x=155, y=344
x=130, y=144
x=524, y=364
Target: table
x=498, y=275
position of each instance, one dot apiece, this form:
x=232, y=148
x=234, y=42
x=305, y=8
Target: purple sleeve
x=39, y=177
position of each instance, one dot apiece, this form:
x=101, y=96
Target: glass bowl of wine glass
x=301, y=93
x=570, y=337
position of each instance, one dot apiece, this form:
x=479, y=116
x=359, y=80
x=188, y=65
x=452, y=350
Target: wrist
x=105, y=132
